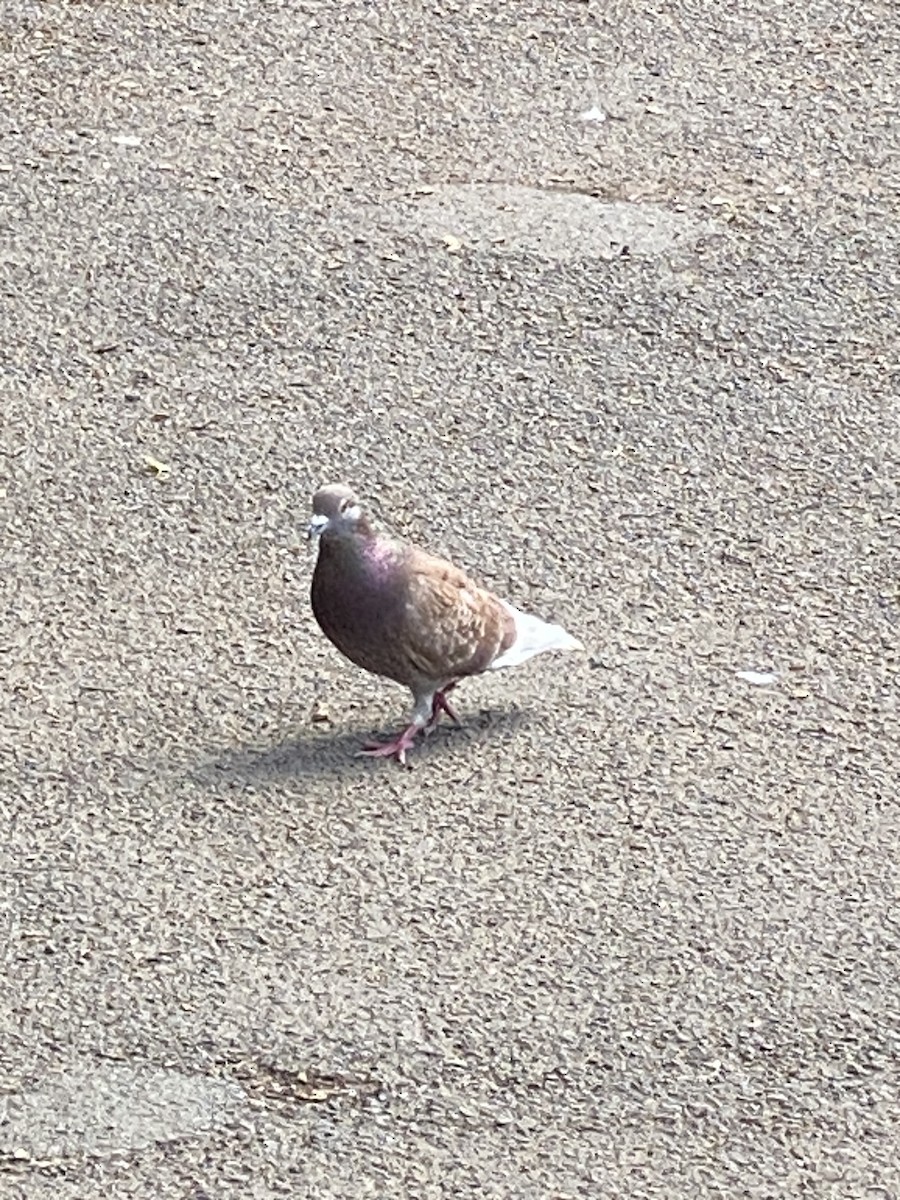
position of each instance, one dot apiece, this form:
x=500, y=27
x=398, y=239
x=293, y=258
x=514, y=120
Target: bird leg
x=440, y=704
x=396, y=748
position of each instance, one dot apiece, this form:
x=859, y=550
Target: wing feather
x=453, y=627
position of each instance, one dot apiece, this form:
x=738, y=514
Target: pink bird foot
x=394, y=749
x=404, y=741
x=439, y=705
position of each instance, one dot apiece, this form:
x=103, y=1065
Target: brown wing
x=452, y=626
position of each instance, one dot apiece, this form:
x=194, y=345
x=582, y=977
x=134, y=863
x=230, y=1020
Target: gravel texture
x=601, y=300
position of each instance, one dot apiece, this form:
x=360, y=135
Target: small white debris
x=126, y=139
x=594, y=114
x=758, y=678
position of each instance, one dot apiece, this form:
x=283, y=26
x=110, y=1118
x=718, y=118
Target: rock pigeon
x=398, y=611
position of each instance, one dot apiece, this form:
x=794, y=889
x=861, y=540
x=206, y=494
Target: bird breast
x=358, y=601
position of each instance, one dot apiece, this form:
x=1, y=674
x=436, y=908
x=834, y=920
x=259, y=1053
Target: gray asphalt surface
x=601, y=300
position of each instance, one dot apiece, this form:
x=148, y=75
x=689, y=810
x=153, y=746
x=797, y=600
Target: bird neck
x=361, y=550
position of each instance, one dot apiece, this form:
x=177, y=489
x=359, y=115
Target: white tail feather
x=533, y=636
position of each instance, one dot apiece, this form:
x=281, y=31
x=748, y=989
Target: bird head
x=336, y=511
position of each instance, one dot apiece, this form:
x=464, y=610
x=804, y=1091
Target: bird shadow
x=319, y=753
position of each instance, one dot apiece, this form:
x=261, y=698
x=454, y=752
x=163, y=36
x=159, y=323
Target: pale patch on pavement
x=551, y=223
x=103, y=1108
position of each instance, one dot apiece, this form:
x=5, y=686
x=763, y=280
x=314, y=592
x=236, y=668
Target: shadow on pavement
x=319, y=753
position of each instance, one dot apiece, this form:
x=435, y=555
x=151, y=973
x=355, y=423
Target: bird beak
x=315, y=527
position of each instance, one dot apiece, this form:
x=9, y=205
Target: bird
x=399, y=612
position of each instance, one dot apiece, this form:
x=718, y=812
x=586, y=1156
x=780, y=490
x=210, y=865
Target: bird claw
x=394, y=749
x=439, y=705
x=404, y=741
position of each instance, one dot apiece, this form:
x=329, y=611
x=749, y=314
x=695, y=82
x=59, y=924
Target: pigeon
x=404, y=614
